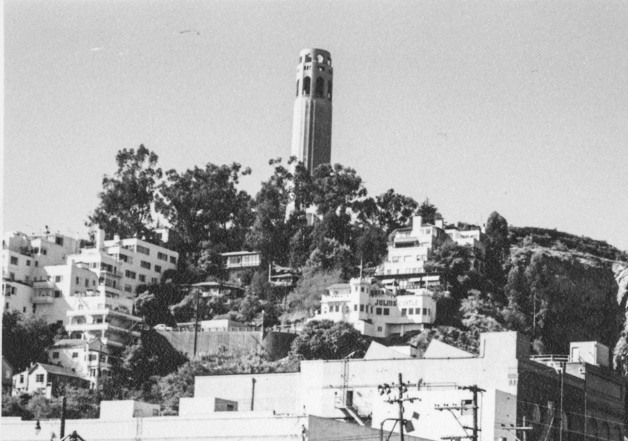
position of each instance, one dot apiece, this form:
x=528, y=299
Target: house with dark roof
x=46, y=379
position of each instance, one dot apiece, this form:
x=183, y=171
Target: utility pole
x=475, y=389
x=385, y=389
x=401, y=387
x=63, y=407
x=196, y=321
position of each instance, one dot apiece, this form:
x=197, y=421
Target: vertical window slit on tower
x=297, y=87
x=329, y=90
x=306, y=85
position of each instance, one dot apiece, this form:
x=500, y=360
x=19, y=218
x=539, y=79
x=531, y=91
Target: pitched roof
x=57, y=370
x=69, y=343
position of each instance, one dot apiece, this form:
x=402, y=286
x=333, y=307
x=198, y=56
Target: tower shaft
x=311, y=130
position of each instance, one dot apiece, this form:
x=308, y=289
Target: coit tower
x=311, y=128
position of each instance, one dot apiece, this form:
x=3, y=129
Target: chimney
x=100, y=239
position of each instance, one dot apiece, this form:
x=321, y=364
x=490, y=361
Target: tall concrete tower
x=311, y=128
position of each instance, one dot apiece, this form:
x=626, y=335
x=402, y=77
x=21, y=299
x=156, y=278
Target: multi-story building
x=410, y=247
x=89, y=290
x=376, y=311
x=88, y=359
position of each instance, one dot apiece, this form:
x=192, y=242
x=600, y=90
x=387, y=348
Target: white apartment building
x=374, y=310
x=410, y=247
x=89, y=290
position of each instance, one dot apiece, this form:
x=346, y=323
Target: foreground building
x=376, y=311
x=518, y=391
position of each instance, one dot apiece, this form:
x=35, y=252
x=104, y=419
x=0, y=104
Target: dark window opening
x=320, y=87
x=308, y=58
x=297, y=87
x=306, y=85
x=329, y=90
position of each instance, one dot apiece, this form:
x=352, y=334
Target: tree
x=152, y=355
x=153, y=304
x=497, y=247
x=388, y=211
x=428, y=212
x=205, y=207
x=328, y=341
x=336, y=188
x=126, y=201
x=307, y=294
x=17, y=330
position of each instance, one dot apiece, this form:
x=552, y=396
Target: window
x=57, y=294
x=173, y=259
x=417, y=310
x=128, y=288
x=157, y=269
x=58, y=279
x=424, y=311
x=13, y=260
x=154, y=280
x=78, y=280
x=130, y=274
x=92, y=372
x=162, y=256
x=378, y=311
x=59, y=240
x=142, y=278
x=36, y=263
x=379, y=329
x=86, y=283
x=403, y=311
x=297, y=87
x=55, y=355
x=395, y=259
x=145, y=264
x=59, y=322
x=24, y=308
x=6, y=306
x=361, y=308
x=329, y=90
x=307, y=81
x=44, y=251
x=28, y=262
x=355, y=307
x=386, y=311
x=143, y=250
x=74, y=354
x=39, y=378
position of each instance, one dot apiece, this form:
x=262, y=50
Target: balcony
x=44, y=284
x=42, y=299
x=102, y=327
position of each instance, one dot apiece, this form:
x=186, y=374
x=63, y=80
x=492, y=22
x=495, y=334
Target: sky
x=519, y=107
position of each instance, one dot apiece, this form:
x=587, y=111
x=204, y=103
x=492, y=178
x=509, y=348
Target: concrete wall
x=210, y=342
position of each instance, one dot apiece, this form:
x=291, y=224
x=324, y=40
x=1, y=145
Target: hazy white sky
x=519, y=107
